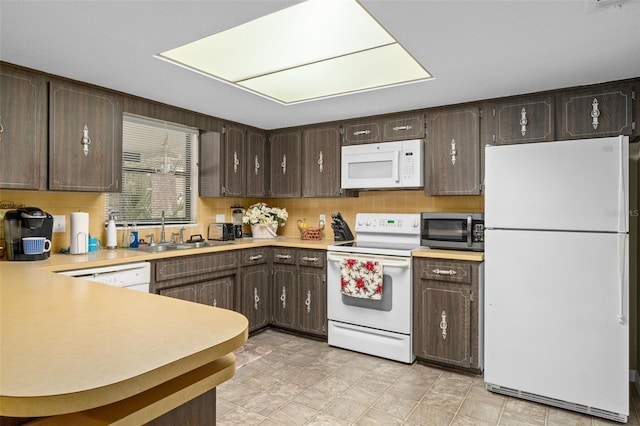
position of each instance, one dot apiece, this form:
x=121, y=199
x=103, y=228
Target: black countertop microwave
x=457, y=231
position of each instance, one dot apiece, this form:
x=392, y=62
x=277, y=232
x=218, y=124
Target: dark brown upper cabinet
x=603, y=110
x=452, y=153
x=85, y=138
x=403, y=127
x=23, y=129
x=520, y=120
x=210, y=165
x=256, y=170
x=321, y=161
x=363, y=130
x=285, y=149
x=235, y=161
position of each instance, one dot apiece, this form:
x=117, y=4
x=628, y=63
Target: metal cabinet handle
x=284, y=164
x=256, y=257
x=443, y=325
x=256, y=299
x=236, y=162
x=308, y=302
x=398, y=128
x=523, y=121
x=595, y=113
x=453, y=152
x=320, y=161
x=449, y=272
x=283, y=297
x=361, y=132
x=86, y=140
x=283, y=256
x=215, y=303
x=310, y=259
x=1, y=127
x=256, y=165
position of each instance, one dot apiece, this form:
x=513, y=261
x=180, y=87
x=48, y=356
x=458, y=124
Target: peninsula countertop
x=70, y=345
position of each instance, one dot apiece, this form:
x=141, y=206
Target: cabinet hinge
x=224, y=129
x=471, y=296
x=471, y=360
x=480, y=113
x=494, y=112
x=633, y=95
x=633, y=126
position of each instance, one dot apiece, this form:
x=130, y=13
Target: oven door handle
x=399, y=262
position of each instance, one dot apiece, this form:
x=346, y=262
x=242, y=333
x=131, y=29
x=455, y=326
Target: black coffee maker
x=22, y=223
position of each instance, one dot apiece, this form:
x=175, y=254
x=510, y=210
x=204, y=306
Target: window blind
x=158, y=173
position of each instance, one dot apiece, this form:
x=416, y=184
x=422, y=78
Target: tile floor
x=306, y=382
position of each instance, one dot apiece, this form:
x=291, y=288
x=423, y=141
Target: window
x=158, y=173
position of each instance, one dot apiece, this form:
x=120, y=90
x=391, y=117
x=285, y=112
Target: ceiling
x=476, y=50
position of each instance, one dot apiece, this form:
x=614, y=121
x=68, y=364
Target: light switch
x=59, y=224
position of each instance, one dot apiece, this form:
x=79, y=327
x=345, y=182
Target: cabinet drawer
x=194, y=265
x=311, y=258
x=287, y=256
x=254, y=256
x=441, y=270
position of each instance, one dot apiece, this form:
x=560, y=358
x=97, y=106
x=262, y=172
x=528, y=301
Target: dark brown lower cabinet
x=446, y=299
x=256, y=289
x=209, y=279
x=299, y=290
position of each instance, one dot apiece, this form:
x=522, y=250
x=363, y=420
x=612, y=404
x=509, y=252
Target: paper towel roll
x=79, y=237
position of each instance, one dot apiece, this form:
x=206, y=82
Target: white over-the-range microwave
x=383, y=165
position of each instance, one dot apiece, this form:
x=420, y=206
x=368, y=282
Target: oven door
x=391, y=313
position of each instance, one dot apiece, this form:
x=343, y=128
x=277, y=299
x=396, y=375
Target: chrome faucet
x=162, y=235
x=182, y=235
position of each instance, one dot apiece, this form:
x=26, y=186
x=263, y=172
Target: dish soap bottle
x=112, y=236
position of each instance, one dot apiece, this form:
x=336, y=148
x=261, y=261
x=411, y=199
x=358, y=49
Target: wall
x=63, y=203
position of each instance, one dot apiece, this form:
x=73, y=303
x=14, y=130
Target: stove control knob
x=416, y=223
x=368, y=221
x=360, y=222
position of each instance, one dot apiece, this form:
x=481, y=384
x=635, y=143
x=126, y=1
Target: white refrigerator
x=557, y=274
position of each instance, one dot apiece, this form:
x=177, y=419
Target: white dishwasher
x=134, y=276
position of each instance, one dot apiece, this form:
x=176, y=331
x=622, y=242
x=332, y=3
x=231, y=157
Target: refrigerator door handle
x=469, y=235
x=622, y=190
x=622, y=258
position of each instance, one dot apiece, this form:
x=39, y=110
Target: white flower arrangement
x=261, y=213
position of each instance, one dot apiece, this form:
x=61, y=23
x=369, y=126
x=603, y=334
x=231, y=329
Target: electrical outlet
x=219, y=218
x=323, y=218
x=59, y=224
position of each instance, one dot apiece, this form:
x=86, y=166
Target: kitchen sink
x=159, y=248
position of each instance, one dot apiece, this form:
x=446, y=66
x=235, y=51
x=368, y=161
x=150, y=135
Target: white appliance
x=377, y=327
x=383, y=165
x=133, y=276
x=557, y=274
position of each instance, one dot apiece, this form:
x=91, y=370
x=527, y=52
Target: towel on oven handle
x=361, y=278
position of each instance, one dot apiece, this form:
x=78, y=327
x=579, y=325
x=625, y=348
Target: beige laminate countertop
x=69, y=345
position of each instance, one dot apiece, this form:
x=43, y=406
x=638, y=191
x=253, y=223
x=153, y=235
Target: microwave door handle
x=396, y=166
x=469, y=236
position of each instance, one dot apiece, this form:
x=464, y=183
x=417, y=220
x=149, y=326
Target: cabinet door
x=365, y=130
x=525, y=120
x=210, y=165
x=256, y=296
x=85, y=139
x=185, y=292
x=285, y=151
x=312, y=304
x=443, y=315
x=256, y=169
x=321, y=162
x=403, y=127
x=234, y=161
x=23, y=129
x=452, y=157
x=285, y=295
x=217, y=292
x=599, y=111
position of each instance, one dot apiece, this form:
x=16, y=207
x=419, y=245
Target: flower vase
x=269, y=230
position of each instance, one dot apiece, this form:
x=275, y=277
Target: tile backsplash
x=410, y=201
